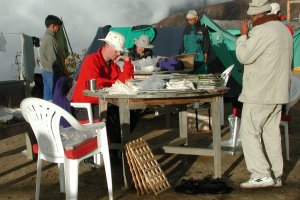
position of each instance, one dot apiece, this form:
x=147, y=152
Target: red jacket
x=94, y=67
x=286, y=23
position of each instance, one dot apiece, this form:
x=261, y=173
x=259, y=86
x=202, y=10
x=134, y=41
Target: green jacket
x=195, y=39
x=51, y=58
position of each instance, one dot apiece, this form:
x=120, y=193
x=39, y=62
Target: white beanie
x=258, y=7
x=191, y=14
x=275, y=8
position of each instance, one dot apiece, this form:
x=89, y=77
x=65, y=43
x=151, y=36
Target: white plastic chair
x=285, y=123
x=98, y=158
x=286, y=118
x=44, y=118
x=87, y=106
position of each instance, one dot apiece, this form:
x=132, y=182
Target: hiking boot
x=278, y=182
x=258, y=183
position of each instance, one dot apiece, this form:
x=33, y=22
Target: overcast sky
x=81, y=19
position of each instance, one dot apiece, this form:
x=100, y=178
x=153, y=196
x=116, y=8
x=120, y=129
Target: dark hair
x=51, y=19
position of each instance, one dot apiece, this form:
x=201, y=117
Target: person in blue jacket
x=195, y=39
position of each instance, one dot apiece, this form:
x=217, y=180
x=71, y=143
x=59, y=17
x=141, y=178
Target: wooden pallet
x=145, y=170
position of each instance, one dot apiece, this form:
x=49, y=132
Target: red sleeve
x=128, y=72
x=290, y=29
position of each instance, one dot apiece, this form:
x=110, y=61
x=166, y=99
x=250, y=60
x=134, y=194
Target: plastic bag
x=71, y=137
x=146, y=64
x=234, y=125
x=152, y=83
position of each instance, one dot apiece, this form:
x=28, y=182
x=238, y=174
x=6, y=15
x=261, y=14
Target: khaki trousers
x=260, y=124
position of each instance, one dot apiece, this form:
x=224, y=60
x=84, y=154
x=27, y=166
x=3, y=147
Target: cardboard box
x=204, y=119
x=187, y=59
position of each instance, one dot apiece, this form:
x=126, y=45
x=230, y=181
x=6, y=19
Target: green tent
x=296, y=58
x=223, y=43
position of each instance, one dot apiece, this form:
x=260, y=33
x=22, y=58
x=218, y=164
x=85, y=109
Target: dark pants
x=112, y=120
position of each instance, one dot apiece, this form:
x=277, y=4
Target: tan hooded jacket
x=267, y=57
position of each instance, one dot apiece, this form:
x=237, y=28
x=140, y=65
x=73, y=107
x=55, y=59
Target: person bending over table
x=102, y=66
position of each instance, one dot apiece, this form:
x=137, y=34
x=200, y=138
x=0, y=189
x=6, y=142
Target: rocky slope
x=234, y=10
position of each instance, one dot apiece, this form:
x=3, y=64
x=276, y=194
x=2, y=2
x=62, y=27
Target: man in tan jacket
x=266, y=53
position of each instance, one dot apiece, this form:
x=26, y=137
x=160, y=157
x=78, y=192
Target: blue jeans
x=49, y=80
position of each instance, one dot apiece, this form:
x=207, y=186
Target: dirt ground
x=17, y=173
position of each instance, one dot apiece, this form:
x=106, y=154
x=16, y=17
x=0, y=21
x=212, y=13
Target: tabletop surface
x=163, y=93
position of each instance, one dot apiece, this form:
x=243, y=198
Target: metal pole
x=288, y=7
x=65, y=32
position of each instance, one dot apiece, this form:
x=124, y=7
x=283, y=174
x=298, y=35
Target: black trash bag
x=207, y=185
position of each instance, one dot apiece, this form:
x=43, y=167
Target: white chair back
x=44, y=118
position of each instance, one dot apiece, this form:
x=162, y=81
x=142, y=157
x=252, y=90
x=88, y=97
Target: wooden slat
x=188, y=150
x=140, y=156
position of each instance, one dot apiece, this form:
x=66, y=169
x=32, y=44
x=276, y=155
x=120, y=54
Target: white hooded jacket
x=267, y=57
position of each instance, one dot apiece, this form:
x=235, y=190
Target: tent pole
x=64, y=29
x=288, y=7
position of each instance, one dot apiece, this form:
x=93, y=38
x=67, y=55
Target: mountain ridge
x=234, y=10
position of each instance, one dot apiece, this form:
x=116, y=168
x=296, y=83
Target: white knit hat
x=143, y=41
x=115, y=40
x=258, y=7
x=191, y=14
x=275, y=8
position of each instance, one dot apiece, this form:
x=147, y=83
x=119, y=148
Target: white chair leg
x=71, y=178
x=38, y=178
x=90, y=113
x=287, y=143
x=98, y=159
x=107, y=165
x=88, y=107
x=61, y=177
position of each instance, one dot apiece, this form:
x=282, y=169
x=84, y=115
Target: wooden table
x=167, y=98
x=144, y=74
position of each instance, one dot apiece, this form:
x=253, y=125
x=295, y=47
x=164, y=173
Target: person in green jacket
x=195, y=39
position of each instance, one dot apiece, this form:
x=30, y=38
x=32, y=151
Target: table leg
x=183, y=122
x=124, y=112
x=216, y=131
x=102, y=110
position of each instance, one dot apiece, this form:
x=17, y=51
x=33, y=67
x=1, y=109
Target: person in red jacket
x=276, y=11
x=102, y=66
